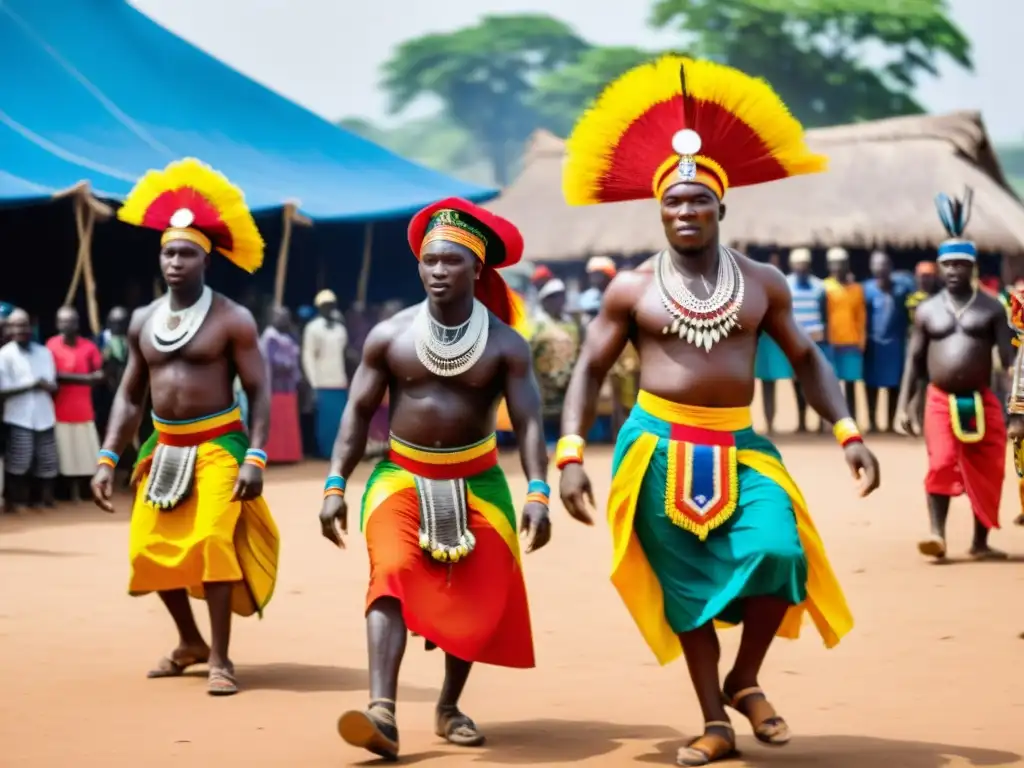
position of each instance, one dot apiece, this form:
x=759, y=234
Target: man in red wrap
x=954, y=334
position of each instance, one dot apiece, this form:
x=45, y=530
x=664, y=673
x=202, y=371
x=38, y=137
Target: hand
x=334, y=519
x=864, y=467
x=102, y=486
x=46, y=385
x=535, y=526
x=249, y=484
x=1015, y=427
x=907, y=423
x=577, y=495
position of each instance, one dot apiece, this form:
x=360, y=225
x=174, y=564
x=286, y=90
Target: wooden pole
x=290, y=216
x=364, y=271
x=85, y=219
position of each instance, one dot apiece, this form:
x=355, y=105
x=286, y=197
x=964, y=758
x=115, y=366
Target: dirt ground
x=931, y=675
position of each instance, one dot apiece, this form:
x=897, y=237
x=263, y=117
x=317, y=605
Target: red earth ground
x=931, y=675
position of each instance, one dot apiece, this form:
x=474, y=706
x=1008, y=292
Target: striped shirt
x=807, y=302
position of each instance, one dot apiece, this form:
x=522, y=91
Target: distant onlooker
x=324, y=344
x=79, y=369
x=281, y=350
x=847, y=323
x=28, y=380
x=887, y=329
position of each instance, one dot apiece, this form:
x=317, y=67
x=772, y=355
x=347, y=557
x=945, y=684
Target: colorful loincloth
x=966, y=440
x=703, y=515
x=476, y=608
x=185, y=529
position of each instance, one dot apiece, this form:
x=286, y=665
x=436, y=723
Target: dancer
x=706, y=522
x=964, y=425
x=437, y=514
x=199, y=525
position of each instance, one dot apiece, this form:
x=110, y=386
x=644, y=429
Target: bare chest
x=945, y=321
x=654, y=320
x=409, y=372
x=208, y=346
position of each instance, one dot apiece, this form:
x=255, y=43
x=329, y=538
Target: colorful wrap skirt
x=185, y=529
x=966, y=440
x=474, y=608
x=703, y=514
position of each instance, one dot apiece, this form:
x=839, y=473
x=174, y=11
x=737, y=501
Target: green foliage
x=1012, y=158
x=484, y=77
x=814, y=52
x=561, y=95
x=433, y=141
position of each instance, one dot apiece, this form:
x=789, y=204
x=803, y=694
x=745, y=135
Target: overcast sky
x=326, y=54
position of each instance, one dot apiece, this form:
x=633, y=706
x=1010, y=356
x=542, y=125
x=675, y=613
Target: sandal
x=769, y=727
x=175, y=665
x=933, y=546
x=456, y=728
x=709, y=747
x=221, y=681
x=373, y=729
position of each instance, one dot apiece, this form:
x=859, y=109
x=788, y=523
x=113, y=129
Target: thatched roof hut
x=878, y=192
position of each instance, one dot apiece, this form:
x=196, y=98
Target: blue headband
x=962, y=250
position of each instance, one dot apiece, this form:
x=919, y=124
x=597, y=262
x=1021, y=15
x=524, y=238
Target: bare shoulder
x=139, y=318
x=990, y=302
x=508, y=340
x=236, y=318
x=625, y=289
x=766, y=276
x=379, y=339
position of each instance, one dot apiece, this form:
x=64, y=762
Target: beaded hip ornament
x=171, y=330
x=450, y=350
x=701, y=322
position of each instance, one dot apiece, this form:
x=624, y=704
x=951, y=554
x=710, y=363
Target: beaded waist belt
x=441, y=492
x=445, y=463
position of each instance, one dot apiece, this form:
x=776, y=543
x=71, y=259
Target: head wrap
x=326, y=296
x=800, y=256
x=190, y=201
x=835, y=254
x=954, y=215
x=682, y=120
x=550, y=288
x=495, y=241
x=602, y=264
x=925, y=268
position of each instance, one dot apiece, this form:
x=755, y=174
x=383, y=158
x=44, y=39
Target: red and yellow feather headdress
x=682, y=120
x=189, y=200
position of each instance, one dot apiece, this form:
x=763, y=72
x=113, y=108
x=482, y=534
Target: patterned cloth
x=556, y=345
x=282, y=354
x=35, y=450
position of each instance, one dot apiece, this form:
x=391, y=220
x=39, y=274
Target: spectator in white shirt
x=323, y=361
x=28, y=380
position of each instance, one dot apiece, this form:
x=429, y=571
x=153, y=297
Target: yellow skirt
x=206, y=538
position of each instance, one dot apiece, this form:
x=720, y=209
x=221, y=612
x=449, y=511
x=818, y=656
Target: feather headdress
x=190, y=201
x=954, y=215
x=677, y=120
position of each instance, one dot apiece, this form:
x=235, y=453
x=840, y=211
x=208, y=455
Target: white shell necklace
x=701, y=322
x=450, y=350
x=170, y=330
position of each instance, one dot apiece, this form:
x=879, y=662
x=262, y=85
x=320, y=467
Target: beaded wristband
x=539, y=498
x=109, y=458
x=846, y=431
x=569, y=450
x=256, y=457
x=539, y=486
x=335, y=486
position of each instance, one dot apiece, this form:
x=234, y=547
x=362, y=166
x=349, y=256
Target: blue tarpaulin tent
x=94, y=93
x=93, y=90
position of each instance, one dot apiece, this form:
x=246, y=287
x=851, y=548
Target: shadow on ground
x=848, y=752
x=319, y=678
x=29, y=552
x=560, y=741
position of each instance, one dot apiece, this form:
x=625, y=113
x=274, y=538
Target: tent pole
x=85, y=219
x=287, y=214
x=364, y=271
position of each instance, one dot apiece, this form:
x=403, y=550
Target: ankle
x=738, y=680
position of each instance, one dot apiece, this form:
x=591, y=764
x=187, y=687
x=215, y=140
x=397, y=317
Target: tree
x=816, y=52
x=484, y=77
x=562, y=95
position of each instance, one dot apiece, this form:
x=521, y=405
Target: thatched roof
x=878, y=192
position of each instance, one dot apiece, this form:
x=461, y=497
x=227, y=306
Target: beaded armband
x=335, y=486
x=569, y=450
x=539, y=492
x=256, y=457
x=847, y=431
x=107, y=458
x=1015, y=402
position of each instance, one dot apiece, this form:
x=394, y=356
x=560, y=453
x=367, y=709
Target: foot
x=1019, y=520
x=221, y=681
x=933, y=546
x=983, y=552
x=180, y=659
x=373, y=729
x=769, y=727
x=455, y=727
x=717, y=743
